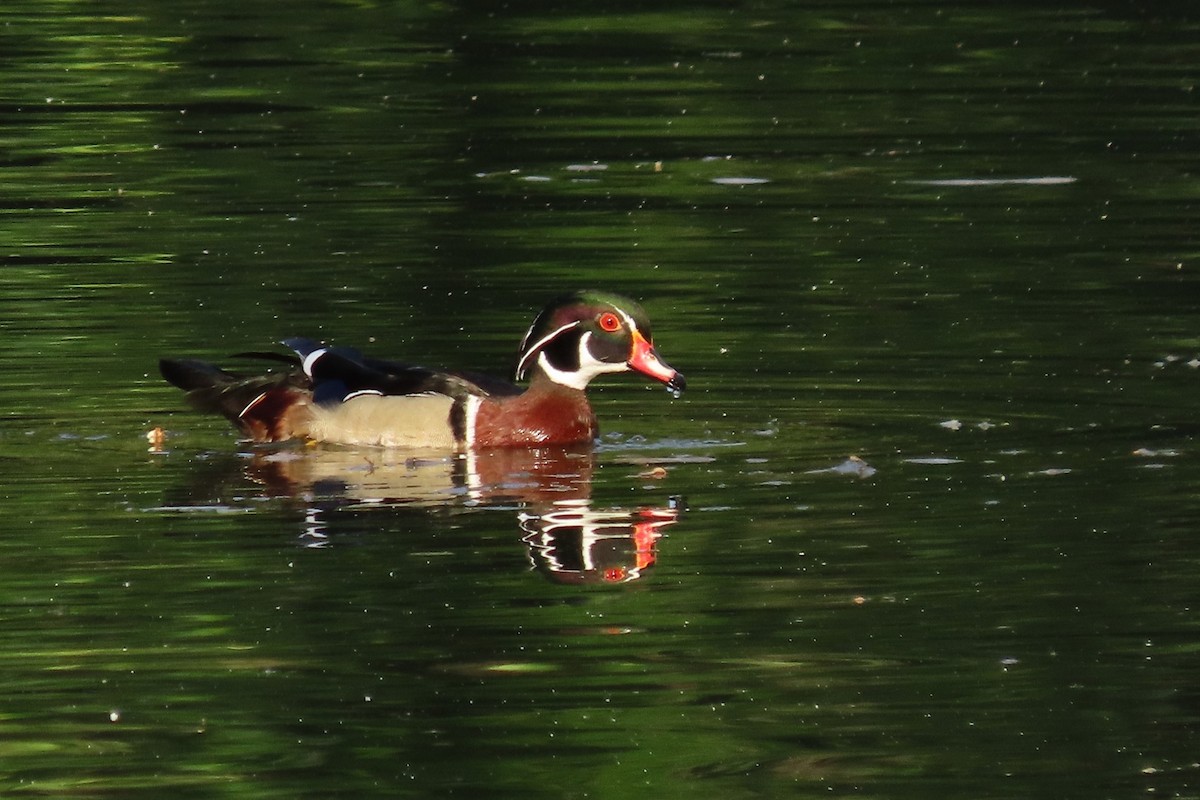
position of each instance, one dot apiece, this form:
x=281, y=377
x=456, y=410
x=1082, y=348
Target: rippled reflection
x=568, y=540
x=386, y=477
x=574, y=543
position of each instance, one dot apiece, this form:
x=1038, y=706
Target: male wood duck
x=336, y=395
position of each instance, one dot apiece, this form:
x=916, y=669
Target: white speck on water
x=1046, y=180
x=740, y=181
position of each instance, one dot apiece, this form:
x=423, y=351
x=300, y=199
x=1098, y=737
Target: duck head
x=585, y=334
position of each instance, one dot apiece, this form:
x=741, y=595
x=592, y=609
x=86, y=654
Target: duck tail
x=263, y=407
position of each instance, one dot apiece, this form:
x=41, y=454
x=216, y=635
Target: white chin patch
x=589, y=367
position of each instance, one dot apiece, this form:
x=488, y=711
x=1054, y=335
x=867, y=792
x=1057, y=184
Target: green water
x=957, y=242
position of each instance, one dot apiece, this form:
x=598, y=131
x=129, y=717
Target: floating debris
x=957, y=425
x=771, y=429
x=1167, y=360
x=1146, y=452
x=650, y=461
x=657, y=473
x=157, y=437
x=851, y=466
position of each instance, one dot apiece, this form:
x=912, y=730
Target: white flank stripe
x=472, y=414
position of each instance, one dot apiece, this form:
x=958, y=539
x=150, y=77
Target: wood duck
x=336, y=395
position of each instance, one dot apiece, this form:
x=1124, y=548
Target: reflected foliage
x=953, y=240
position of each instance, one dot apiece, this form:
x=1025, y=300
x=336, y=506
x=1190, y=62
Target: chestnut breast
x=533, y=418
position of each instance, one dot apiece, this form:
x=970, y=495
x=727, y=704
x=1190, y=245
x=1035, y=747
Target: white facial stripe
x=537, y=347
x=589, y=367
x=311, y=359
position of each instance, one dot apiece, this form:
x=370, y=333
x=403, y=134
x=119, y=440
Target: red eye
x=609, y=322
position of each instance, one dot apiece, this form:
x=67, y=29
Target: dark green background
x=852, y=223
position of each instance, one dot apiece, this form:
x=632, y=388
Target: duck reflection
x=572, y=543
x=567, y=540
x=426, y=478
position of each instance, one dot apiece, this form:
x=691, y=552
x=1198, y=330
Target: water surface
x=954, y=243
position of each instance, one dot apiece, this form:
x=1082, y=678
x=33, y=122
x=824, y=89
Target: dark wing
x=340, y=373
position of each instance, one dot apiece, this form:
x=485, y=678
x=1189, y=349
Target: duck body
x=336, y=395
x=431, y=419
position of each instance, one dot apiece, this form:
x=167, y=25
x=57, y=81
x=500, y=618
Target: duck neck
x=540, y=383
